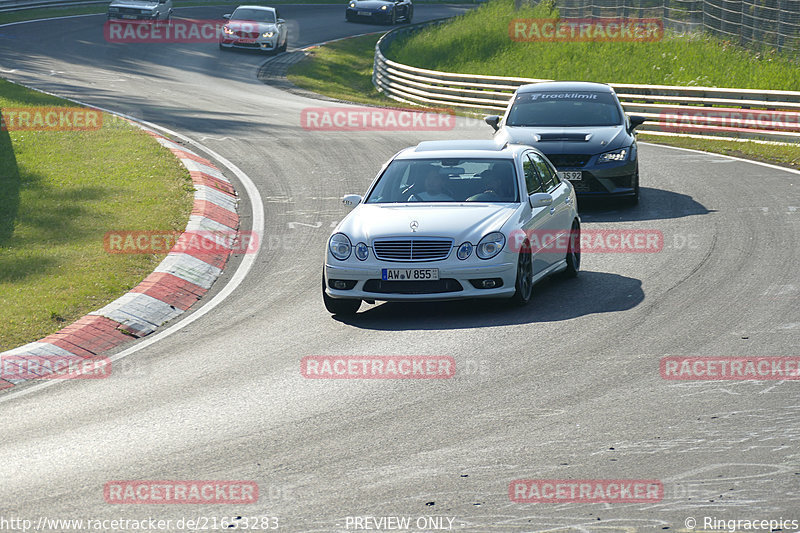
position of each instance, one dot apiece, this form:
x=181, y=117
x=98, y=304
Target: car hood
x=458, y=221
x=249, y=25
x=560, y=140
x=134, y=4
x=371, y=4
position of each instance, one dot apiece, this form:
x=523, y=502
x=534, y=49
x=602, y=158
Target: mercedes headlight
x=491, y=245
x=352, y=4
x=340, y=246
x=384, y=8
x=362, y=251
x=616, y=155
x=464, y=251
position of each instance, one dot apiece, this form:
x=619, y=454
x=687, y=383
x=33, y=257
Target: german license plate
x=409, y=274
x=571, y=175
x=133, y=17
x=364, y=14
x=245, y=40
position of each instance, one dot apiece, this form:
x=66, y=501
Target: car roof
x=263, y=8
x=565, y=86
x=462, y=148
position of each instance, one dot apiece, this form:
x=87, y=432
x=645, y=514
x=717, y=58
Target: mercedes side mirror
x=351, y=200
x=493, y=121
x=540, y=199
x=227, y=16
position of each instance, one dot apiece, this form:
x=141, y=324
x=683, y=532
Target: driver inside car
x=434, y=191
x=495, y=184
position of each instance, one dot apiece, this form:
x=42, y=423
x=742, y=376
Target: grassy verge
x=478, y=42
x=343, y=70
x=781, y=155
x=60, y=192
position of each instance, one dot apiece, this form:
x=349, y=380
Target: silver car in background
x=453, y=219
x=140, y=10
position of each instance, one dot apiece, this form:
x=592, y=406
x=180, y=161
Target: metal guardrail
x=771, y=23
x=700, y=111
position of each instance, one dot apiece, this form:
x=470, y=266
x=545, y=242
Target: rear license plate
x=409, y=274
x=571, y=175
x=364, y=14
x=133, y=17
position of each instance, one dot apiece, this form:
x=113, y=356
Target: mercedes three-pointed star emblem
x=414, y=225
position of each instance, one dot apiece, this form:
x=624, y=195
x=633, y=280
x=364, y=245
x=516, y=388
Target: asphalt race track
x=565, y=388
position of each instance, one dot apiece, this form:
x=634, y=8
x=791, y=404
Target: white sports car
x=254, y=28
x=453, y=219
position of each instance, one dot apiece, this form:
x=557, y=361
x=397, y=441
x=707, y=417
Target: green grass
x=60, y=192
x=343, y=70
x=478, y=42
x=782, y=155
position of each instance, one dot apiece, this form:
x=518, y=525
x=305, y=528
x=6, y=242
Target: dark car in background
x=379, y=11
x=582, y=129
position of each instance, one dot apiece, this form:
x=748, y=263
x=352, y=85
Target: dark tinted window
x=564, y=108
x=549, y=178
x=532, y=179
x=446, y=180
x=257, y=15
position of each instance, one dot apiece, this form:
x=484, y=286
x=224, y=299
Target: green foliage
x=478, y=42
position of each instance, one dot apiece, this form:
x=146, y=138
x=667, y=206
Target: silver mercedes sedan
x=453, y=219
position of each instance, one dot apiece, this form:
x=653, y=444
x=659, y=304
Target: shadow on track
x=553, y=300
x=654, y=204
